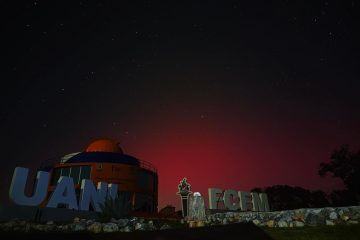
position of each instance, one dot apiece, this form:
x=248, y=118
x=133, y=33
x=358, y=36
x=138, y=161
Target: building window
x=55, y=176
x=75, y=174
x=85, y=172
x=65, y=171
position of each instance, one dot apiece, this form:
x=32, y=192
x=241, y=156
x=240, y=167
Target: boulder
x=110, y=227
x=78, y=227
x=282, y=223
x=165, y=227
x=298, y=224
x=151, y=226
x=314, y=219
x=256, y=222
x=270, y=223
x=333, y=215
x=95, y=227
x=122, y=222
x=125, y=229
x=139, y=226
x=329, y=222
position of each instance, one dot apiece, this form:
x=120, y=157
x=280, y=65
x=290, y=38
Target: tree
x=341, y=198
x=345, y=165
x=284, y=197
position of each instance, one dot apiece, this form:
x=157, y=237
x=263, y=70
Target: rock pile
x=82, y=225
x=290, y=218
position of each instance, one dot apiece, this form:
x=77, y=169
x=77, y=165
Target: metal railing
x=142, y=163
x=147, y=165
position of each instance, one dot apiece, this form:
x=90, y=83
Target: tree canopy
x=345, y=165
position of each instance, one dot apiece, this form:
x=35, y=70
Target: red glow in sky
x=230, y=153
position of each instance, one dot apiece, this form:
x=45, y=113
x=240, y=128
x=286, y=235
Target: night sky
x=230, y=94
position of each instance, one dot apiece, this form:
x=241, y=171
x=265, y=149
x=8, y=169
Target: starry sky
x=231, y=94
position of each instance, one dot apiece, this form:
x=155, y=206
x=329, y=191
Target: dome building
x=104, y=161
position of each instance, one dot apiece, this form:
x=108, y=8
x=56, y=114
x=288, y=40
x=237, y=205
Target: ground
x=246, y=231
x=348, y=232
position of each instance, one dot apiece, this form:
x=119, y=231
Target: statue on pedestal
x=184, y=192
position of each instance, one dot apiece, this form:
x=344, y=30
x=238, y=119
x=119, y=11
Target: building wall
x=138, y=183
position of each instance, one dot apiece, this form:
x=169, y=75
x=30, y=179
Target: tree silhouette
x=345, y=165
x=284, y=197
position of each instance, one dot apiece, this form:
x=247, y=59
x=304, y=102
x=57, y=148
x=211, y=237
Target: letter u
x=18, y=183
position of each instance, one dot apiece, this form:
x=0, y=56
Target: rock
x=229, y=215
x=282, y=224
x=329, y=222
x=316, y=211
x=165, y=227
x=270, y=223
x=125, y=229
x=90, y=221
x=298, y=224
x=27, y=227
x=95, y=227
x=314, y=219
x=333, y=216
x=298, y=216
x=77, y=227
x=192, y=224
x=151, y=226
x=76, y=220
x=345, y=217
x=352, y=222
x=22, y=223
x=60, y=228
x=224, y=221
x=139, y=226
x=10, y=224
x=110, y=227
x=49, y=222
x=42, y=228
x=122, y=222
x=133, y=220
x=201, y=224
x=256, y=222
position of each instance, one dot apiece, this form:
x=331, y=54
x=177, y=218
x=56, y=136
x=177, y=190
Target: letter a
x=64, y=194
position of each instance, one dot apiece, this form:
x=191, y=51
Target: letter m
x=260, y=202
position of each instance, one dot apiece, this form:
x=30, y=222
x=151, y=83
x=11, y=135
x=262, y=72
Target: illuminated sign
x=237, y=200
x=64, y=193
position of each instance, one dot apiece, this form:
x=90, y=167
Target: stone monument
x=196, y=207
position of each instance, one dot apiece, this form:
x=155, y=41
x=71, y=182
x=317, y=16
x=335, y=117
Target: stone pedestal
x=184, y=192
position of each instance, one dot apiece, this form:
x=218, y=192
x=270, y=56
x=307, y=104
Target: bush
x=116, y=208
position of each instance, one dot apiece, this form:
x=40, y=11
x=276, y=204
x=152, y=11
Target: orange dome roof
x=104, y=145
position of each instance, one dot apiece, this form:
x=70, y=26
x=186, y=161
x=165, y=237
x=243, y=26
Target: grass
x=348, y=232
